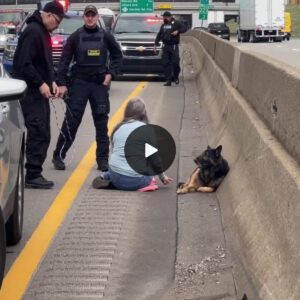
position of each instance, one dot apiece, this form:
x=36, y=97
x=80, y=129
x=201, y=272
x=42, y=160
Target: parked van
x=287, y=29
x=108, y=17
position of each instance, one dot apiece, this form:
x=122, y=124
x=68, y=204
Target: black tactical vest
x=167, y=29
x=92, y=51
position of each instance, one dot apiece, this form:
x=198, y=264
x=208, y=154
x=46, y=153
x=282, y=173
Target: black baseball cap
x=91, y=8
x=167, y=14
x=56, y=8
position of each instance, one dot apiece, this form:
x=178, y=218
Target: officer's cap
x=92, y=9
x=167, y=14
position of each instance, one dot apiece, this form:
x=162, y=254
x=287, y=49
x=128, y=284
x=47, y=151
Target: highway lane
x=286, y=51
x=163, y=104
x=37, y=202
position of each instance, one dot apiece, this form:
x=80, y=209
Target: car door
x=5, y=144
x=11, y=135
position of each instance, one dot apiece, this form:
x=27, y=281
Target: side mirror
x=12, y=89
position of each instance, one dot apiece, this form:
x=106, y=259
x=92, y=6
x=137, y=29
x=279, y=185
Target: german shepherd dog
x=211, y=170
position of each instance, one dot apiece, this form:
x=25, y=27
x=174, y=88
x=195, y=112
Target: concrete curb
x=260, y=196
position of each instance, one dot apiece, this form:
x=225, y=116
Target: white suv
x=12, y=138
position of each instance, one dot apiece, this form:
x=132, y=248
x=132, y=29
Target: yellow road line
x=19, y=275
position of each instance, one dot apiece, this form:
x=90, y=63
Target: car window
x=108, y=21
x=10, y=17
x=138, y=24
x=68, y=26
x=3, y=30
x=217, y=25
x=11, y=30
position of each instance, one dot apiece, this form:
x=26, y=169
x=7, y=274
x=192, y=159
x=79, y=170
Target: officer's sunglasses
x=57, y=19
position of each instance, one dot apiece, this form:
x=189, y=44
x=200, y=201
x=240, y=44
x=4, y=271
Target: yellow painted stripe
x=19, y=275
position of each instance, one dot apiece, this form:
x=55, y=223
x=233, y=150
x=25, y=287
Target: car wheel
x=252, y=38
x=2, y=248
x=14, y=225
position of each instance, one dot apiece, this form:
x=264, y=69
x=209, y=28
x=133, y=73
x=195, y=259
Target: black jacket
x=164, y=33
x=69, y=54
x=33, y=58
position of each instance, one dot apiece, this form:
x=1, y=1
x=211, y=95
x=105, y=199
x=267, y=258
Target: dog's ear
x=208, y=147
x=219, y=150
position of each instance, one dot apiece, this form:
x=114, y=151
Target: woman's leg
x=128, y=183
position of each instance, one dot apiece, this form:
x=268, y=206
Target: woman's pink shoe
x=151, y=187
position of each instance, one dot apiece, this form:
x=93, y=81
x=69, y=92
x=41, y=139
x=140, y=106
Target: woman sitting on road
x=120, y=175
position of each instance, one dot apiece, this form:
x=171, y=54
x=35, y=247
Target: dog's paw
x=180, y=192
x=205, y=189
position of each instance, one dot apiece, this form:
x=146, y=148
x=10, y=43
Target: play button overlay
x=150, y=150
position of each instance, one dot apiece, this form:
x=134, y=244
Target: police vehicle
x=58, y=37
x=136, y=35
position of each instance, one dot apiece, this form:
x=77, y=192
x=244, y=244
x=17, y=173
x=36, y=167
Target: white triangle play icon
x=149, y=150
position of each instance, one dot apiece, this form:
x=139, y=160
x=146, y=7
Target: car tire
x=14, y=225
x=2, y=247
x=252, y=38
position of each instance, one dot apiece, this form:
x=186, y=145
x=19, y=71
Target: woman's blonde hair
x=135, y=111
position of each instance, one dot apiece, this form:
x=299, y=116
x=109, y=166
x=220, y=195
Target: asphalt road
x=154, y=215
x=139, y=246
x=36, y=201
x=286, y=51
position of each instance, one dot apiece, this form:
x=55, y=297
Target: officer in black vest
x=88, y=48
x=169, y=34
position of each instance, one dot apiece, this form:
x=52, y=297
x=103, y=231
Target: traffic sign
x=136, y=6
x=203, y=10
x=165, y=6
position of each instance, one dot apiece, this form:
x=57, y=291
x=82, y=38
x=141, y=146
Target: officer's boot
x=58, y=163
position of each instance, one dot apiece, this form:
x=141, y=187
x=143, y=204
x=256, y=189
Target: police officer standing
x=33, y=64
x=88, y=49
x=169, y=34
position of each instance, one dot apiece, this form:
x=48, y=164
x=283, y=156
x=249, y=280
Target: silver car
x=5, y=34
x=12, y=137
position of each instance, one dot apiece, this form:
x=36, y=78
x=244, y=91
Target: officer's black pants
x=81, y=91
x=36, y=110
x=171, y=61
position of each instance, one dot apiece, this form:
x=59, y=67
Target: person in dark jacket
x=88, y=49
x=33, y=64
x=169, y=34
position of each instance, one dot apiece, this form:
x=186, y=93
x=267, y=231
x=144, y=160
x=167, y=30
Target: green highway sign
x=136, y=6
x=203, y=10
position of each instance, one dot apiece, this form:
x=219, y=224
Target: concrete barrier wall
x=271, y=87
x=260, y=196
x=268, y=85
x=224, y=56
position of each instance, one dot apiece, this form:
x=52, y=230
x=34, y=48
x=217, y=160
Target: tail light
x=64, y=3
x=154, y=20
